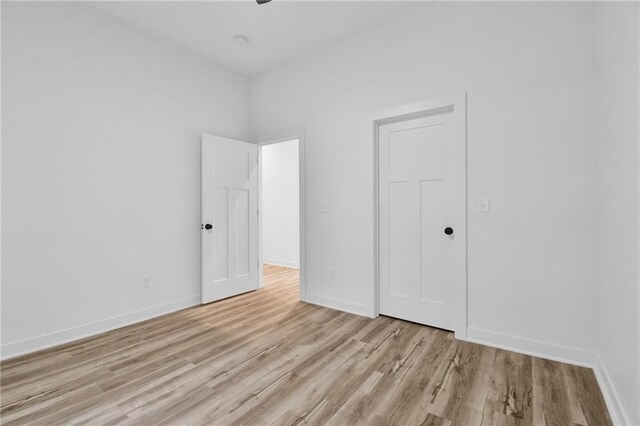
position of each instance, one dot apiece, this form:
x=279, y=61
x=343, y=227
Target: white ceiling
x=277, y=31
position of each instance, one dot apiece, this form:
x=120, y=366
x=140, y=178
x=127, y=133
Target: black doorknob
x=208, y=226
x=448, y=230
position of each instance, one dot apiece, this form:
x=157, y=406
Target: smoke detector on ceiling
x=241, y=40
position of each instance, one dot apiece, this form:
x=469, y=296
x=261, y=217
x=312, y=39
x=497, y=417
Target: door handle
x=208, y=227
x=448, y=230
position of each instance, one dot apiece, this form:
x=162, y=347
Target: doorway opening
x=279, y=220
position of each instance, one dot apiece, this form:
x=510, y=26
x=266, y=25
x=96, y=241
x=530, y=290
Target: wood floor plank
x=585, y=398
x=267, y=358
x=511, y=389
x=550, y=392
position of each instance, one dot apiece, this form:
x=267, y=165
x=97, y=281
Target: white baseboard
x=44, y=341
x=532, y=347
x=278, y=262
x=338, y=304
x=616, y=411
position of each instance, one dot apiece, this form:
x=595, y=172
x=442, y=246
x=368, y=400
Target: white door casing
x=421, y=191
x=230, y=210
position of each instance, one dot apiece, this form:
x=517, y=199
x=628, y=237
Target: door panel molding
x=456, y=105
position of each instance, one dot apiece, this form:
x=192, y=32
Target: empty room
x=320, y=212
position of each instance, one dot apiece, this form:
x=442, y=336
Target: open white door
x=229, y=217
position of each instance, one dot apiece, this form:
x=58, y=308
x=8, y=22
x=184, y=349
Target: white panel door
x=229, y=217
x=417, y=232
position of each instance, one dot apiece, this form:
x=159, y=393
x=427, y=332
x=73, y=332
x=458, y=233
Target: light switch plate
x=323, y=207
x=483, y=204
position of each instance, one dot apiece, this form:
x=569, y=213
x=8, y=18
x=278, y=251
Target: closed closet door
x=417, y=233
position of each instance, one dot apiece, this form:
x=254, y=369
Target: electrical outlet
x=332, y=273
x=145, y=281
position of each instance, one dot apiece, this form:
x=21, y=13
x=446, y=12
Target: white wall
x=617, y=57
x=280, y=204
x=528, y=72
x=100, y=173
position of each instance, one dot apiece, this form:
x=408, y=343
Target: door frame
x=457, y=104
x=269, y=140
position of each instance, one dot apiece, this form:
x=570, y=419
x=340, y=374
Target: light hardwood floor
x=264, y=357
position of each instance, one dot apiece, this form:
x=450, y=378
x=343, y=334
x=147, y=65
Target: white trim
x=338, y=304
x=532, y=347
x=616, y=410
x=278, y=262
x=260, y=260
x=45, y=341
x=459, y=105
x=302, y=210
